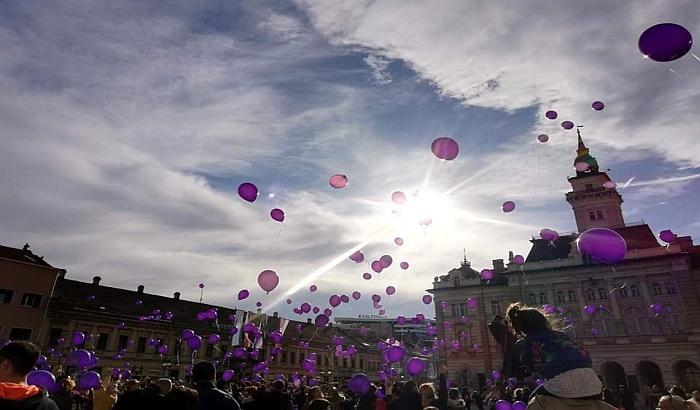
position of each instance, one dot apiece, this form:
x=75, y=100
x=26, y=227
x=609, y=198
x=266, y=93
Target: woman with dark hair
x=182, y=398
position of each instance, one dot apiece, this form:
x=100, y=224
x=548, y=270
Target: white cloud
x=380, y=69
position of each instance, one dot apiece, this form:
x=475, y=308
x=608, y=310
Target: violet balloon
x=338, y=181
x=552, y=115
x=667, y=236
x=398, y=241
x=598, y=105
x=603, y=245
x=508, y=206
x=243, y=294
x=268, y=280
x=398, y=197
x=543, y=138
x=277, y=214
x=567, y=125
x=415, y=366
x=248, y=191
x=403, y=265
x=665, y=42
x=445, y=148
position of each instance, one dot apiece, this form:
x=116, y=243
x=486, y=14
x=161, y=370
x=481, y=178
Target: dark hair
x=278, y=384
x=319, y=404
x=182, y=398
x=203, y=372
x=524, y=320
x=21, y=355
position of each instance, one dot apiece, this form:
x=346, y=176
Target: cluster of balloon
x=602, y=245
x=193, y=341
x=665, y=42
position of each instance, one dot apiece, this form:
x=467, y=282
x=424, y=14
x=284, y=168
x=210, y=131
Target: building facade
x=26, y=286
x=630, y=343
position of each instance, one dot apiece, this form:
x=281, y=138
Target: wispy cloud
x=380, y=68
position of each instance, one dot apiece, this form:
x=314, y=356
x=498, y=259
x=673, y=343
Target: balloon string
x=274, y=241
x=696, y=57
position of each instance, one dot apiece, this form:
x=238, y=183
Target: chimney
x=275, y=314
x=62, y=273
x=140, y=289
x=308, y=320
x=96, y=280
x=498, y=264
x=176, y=296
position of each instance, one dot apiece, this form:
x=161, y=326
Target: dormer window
x=456, y=282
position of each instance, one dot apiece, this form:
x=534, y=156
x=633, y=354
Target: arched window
x=670, y=319
x=637, y=321
x=622, y=292
x=670, y=288
x=561, y=297
x=656, y=289
x=604, y=323
x=532, y=298
x=572, y=296
x=590, y=294
x=543, y=298
x=572, y=324
x=602, y=293
x=635, y=290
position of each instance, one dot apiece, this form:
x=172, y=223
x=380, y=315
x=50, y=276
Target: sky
x=127, y=127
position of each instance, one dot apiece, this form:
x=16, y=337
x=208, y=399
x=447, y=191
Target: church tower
x=594, y=205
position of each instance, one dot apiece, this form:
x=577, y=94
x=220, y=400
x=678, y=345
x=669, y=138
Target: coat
x=546, y=402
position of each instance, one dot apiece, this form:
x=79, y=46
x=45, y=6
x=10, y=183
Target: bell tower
x=594, y=204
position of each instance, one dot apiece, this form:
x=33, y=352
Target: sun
x=422, y=209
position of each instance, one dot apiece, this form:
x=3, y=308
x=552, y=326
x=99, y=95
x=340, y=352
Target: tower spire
x=583, y=155
x=465, y=262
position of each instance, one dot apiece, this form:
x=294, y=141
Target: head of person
x=164, y=385
x=410, y=386
x=203, y=372
x=524, y=320
x=278, y=385
x=678, y=391
x=453, y=393
x=315, y=393
x=319, y=404
x=131, y=385
x=16, y=361
x=672, y=402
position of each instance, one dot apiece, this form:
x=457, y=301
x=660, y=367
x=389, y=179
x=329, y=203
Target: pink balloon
x=403, y=265
x=518, y=259
x=357, y=257
x=398, y=197
x=567, y=125
x=386, y=261
x=487, y=274
x=390, y=290
x=543, y=138
x=334, y=300
x=398, y=241
x=277, y=214
x=243, y=294
x=582, y=166
x=248, y=191
x=376, y=266
x=366, y=276
x=313, y=288
x=268, y=280
x=356, y=295
x=382, y=312
x=552, y=115
x=609, y=184
x=508, y=206
x=445, y=148
x=426, y=221
x=472, y=303
x=338, y=181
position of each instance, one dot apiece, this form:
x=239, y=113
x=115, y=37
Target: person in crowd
x=655, y=395
x=467, y=397
x=626, y=397
x=609, y=397
x=165, y=386
x=428, y=395
x=104, y=398
x=249, y=402
x=182, y=398
x=16, y=361
x=319, y=404
x=130, y=398
x=368, y=401
x=678, y=391
x=567, y=369
x=277, y=398
x=64, y=397
x=335, y=398
x=672, y=402
x=211, y=398
x=478, y=400
x=454, y=401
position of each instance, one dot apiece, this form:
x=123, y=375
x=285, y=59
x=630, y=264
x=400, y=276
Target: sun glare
x=422, y=209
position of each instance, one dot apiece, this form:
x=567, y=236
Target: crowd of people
x=532, y=346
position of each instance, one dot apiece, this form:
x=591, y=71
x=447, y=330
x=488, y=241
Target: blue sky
x=128, y=126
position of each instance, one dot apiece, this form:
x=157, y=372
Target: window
x=602, y=294
x=623, y=292
x=635, y=290
x=362, y=364
x=17, y=334
x=591, y=216
x=102, y=341
x=572, y=323
x=532, y=298
x=31, y=299
x=55, y=334
x=6, y=295
x=293, y=357
x=670, y=319
x=572, y=296
x=302, y=357
x=456, y=282
x=209, y=351
x=670, y=288
x=543, y=298
x=455, y=309
x=123, y=342
x=637, y=322
x=604, y=323
x=656, y=289
x=589, y=187
x=178, y=347
x=590, y=294
x=141, y=345
x=599, y=214
x=561, y=297
x=495, y=307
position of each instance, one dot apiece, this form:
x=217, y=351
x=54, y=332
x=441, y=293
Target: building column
x=646, y=294
x=550, y=294
x=581, y=297
x=113, y=340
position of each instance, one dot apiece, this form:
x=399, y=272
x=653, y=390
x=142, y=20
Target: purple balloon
x=359, y=384
x=390, y=290
x=214, y=338
x=487, y=274
x=518, y=259
x=248, y=191
x=305, y=307
x=543, y=138
x=519, y=405
x=656, y=307
x=187, y=333
x=415, y=366
x=78, y=339
x=268, y=280
x=552, y=115
x=598, y=105
x=395, y=354
x=194, y=342
x=227, y=375
x=508, y=206
x=665, y=42
x=321, y=320
x=549, y=234
x=398, y=197
x=472, y=303
x=277, y=214
x=398, y=241
x=328, y=312
x=427, y=299
x=334, y=300
x=567, y=125
x=403, y=265
x=316, y=309
x=366, y=276
x=356, y=295
x=590, y=310
x=376, y=266
x=344, y=299
x=386, y=261
x=603, y=245
x=357, y=257
x=313, y=288
x=445, y=148
x=243, y=294
x=667, y=236
x=41, y=378
x=502, y=405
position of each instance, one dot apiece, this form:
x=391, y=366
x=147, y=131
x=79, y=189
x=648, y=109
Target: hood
x=18, y=396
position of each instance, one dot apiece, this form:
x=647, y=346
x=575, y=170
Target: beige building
x=26, y=286
x=629, y=342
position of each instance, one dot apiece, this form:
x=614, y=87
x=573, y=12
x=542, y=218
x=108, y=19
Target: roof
x=636, y=237
x=23, y=255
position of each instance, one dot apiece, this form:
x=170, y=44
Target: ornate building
x=629, y=342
